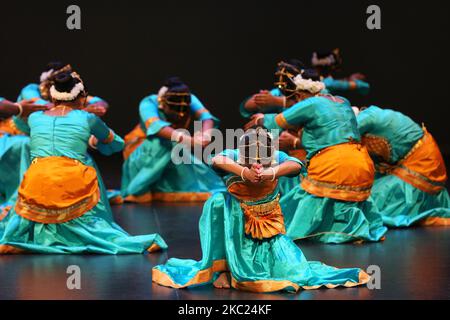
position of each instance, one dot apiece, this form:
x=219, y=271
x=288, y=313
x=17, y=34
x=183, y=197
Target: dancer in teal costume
x=148, y=173
x=15, y=157
x=332, y=203
x=62, y=135
x=14, y=148
x=258, y=258
x=389, y=136
x=276, y=101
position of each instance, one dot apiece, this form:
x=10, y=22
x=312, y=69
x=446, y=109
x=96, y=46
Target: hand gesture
x=257, y=120
x=28, y=107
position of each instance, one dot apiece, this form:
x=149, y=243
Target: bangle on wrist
x=273, y=173
x=257, y=119
x=242, y=173
x=19, y=106
x=294, y=144
x=284, y=102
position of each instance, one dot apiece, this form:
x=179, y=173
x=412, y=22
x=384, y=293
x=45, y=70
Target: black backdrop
x=226, y=51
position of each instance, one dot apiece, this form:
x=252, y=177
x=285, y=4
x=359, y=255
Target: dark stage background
x=226, y=51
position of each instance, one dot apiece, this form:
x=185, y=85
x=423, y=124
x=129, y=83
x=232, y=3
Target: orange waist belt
x=57, y=190
x=262, y=221
x=342, y=172
x=423, y=167
x=133, y=140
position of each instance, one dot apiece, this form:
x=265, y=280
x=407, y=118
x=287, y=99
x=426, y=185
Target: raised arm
x=97, y=106
x=292, y=118
x=8, y=108
x=226, y=162
x=336, y=86
x=287, y=166
x=264, y=102
x=155, y=126
x=365, y=120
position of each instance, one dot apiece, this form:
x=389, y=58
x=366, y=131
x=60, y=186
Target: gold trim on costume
x=154, y=248
x=56, y=190
x=423, y=167
x=181, y=196
x=6, y=249
x=339, y=192
x=282, y=122
x=343, y=172
x=203, y=276
x=435, y=222
x=264, y=221
x=169, y=197
x=45, y=215
x=260, y=286
x=378, y=146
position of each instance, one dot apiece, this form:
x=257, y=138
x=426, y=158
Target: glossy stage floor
x=414, y=264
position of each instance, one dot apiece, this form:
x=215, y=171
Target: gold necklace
x=59, y=107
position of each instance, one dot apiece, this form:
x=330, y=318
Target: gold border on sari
x=202, y=276
x=259, y=286
x=435, y=222
x=338, y=192
x=169, y=197
x=7, y=249
x=51, y=216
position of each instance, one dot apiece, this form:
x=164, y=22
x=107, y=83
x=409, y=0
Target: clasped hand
x=257, y=173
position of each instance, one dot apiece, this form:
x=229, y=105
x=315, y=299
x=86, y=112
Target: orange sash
x=133, y=140
x=262, y=221
x=423, y=167
x=342, y=172
x=8, y=126
x=57, y=190
x=246, y=191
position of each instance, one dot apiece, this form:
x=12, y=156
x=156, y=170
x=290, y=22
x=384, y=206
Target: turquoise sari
x=285, y=184
x=15, y=149
x=333, y=203
x=66, y=138
x=148, y=174
x=390, y=136
x=271, y=264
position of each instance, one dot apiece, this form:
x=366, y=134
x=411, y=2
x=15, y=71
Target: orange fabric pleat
x=133, y=140
x=56, y=190
x=342, y=172
x=423, y=167
x=246, y=191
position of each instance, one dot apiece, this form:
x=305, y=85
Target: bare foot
x=222, y=281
